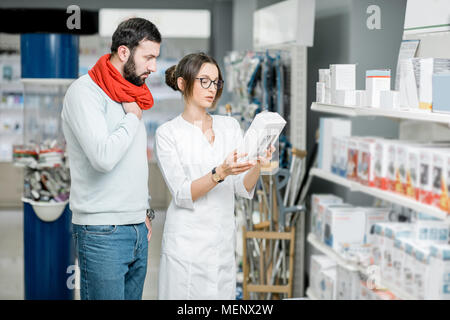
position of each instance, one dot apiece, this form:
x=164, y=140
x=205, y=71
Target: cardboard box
x=426, y=172
x=398, y=260
x=382, y=163
x=324, y=75
x=321, y=217
x=263, y=131
x=413, y=173
x=329, y=128
x=409, y=246
x=421, y=271
x=360, y=98
x=428, y=67
x=317, y=264
x=374, y=216
x=438, y=287
x=427, y=232
x=400, y=167
x=345, y=97
x=366, y=162
x=378, y=243
x=392, y=166
x=343, y=156
x=328, y=284
x=393, y=231
x=377, y=81
x=441, y=94
x=320, y=92
x=389, y=99
x=336, y=143
x=318, y=201
x=347, y=286
x=352, y=158
x=343, y=76
x=440, y=189
x=344, y=227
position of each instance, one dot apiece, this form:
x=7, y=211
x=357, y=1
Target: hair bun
x=171, y=79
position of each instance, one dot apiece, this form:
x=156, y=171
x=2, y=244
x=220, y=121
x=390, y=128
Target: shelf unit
x=381, y=194
x=401, y=114
x=323, y=248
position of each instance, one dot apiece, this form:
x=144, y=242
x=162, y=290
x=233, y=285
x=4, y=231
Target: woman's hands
x=265, y=160
x=231, y=167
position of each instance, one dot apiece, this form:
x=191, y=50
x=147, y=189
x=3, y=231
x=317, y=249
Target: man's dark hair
x=132, y=31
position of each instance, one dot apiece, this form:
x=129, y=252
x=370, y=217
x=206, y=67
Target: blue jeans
x=112, y=261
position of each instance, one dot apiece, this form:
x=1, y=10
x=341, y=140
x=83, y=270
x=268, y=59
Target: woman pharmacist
x=196, y=154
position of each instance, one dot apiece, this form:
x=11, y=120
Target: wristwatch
x=150, y=214
x=216, y=176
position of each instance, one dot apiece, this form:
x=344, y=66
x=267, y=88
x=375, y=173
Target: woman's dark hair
x=132, y=31
x=188, y=69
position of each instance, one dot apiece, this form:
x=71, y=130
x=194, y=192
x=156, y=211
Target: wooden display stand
x=262, y=287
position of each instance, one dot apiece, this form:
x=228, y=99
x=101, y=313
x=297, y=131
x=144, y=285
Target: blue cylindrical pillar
x=48, y=245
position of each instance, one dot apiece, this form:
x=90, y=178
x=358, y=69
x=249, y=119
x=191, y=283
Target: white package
x=262, y=133
x=320, y=92
x=328, y=284
x=360, y=98
x=438, y=287
x=398, y=261
x=374, y=216
x=321, y=217
x=431, y=232
x=343, y=77
x=317, y=204
x=344, y=227
x=393, y=231
x=318, y=263
x=421, y=271
x=376, y=81
x=382, y=163
x=366, y=162
x=347, y=284
x=409, y=247
x=413, y=173
x=329, y=128
x=429, y=66
x=324, y=76
x=345, y=97
x=389, y=99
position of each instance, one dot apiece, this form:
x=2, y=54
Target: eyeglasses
x=206, y=83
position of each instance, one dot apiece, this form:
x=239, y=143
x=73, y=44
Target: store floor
x=11, y=256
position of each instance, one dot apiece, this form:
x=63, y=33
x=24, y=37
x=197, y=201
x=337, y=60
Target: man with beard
x=107, y=149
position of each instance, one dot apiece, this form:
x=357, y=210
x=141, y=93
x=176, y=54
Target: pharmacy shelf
x=382, y=194
x=311, y=295
x=404, y=114
x=329, y=252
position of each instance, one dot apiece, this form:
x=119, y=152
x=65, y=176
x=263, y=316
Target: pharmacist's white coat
x=198, y=245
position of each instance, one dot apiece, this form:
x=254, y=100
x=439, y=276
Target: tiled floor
x=11, y=256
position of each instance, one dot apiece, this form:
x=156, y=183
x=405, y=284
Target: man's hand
x=132, y=107
x=148, y=223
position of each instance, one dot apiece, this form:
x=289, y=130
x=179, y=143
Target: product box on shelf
x=366, y=162
x=413, y=173
x=318, y=263
x=431, y=232
x=340, y=150
x=382, y=163
x=347, y=284
x=421, y=271
x=438, y=287
x=320, y=92
x=336, y=143
x=426, y=171
x=329, y=128
x=392, y=166
x=352, y=158
x=324, y=77
x=321, y=217
x=377, y=81
x=409, y=247
x=343, y=76
x=360, y=98
x=344, y=98
x=440, y=188
x=378, y=243
x=389, y=99
x=441, y=94
x=393, y=231
x=317, y=207
x=398, y=261
x=428, y=67
x=344, y=227
x=401, y=159
x=327, y=280
x=374, y=215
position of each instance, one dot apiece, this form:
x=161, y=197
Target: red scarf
x=107, y=77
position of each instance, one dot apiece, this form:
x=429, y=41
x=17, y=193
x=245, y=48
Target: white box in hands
x=262, y=133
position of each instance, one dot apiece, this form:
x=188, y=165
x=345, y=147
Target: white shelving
x=326, y=250
x=350, y=111
x=381, y=194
